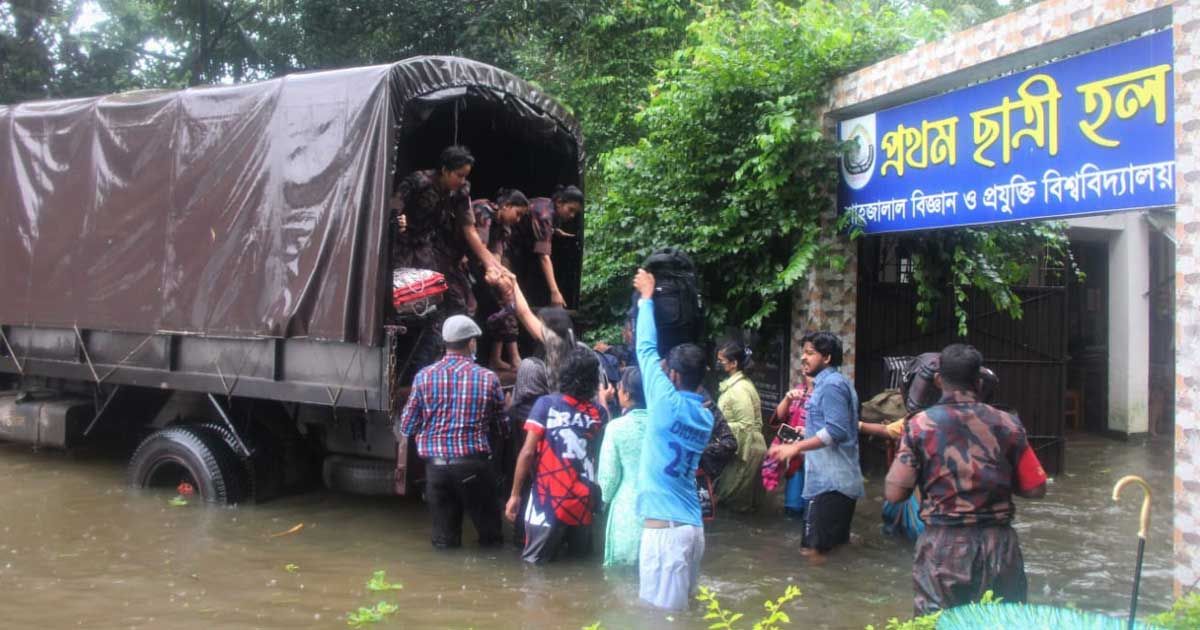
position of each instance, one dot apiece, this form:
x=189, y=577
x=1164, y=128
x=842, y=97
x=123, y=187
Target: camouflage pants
x=957, y=565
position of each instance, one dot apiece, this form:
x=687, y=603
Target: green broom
x=1026, y=617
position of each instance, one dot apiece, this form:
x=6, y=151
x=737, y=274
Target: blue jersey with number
x=677, y=432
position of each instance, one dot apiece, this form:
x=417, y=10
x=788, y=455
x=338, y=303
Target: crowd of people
x=629, y=434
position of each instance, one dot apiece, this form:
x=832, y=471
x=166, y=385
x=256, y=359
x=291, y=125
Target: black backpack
x=921, y=392
x=678, y=311
x=919, y=389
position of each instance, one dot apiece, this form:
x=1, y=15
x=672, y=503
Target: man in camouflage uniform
x=968, y=459
x=429, y=210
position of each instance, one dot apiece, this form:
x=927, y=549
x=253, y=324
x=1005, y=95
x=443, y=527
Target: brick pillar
x=1187, y=294
x=827, y=299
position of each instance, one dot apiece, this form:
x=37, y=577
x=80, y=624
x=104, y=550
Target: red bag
x=417, y=291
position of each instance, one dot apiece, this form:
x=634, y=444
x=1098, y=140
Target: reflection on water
x=77, y=548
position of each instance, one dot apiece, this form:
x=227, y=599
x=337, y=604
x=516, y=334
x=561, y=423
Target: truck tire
x=359, y=475
x=244, y=465
x=189, y=454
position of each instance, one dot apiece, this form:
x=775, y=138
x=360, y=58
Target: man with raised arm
x=677, y=431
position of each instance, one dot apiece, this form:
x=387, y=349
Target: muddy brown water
x=79, y=549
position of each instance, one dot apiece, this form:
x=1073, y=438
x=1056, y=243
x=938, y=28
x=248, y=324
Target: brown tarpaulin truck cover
x=252, y=210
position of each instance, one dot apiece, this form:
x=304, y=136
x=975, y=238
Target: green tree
x=599, y=57
x=733, y=164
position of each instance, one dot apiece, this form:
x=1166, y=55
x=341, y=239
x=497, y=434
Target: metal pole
x=1137, y=581
x=232, y=431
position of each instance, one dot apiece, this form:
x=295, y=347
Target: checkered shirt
x=451, y=407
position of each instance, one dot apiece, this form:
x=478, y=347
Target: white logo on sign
x=858, y=161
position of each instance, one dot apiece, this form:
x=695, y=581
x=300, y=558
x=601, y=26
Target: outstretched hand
x=783, y=452
x=644, y=283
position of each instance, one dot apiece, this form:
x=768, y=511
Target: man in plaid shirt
x=451, y=408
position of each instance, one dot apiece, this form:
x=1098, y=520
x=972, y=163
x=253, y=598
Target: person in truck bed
x=429, y=210
x=488, y=237
x=534, y=235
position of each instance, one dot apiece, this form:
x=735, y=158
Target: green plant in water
x=1185, y=613
x=177, y=501
x=379, y=582
x=724, y=619
x=374, y=614
x=290, y=568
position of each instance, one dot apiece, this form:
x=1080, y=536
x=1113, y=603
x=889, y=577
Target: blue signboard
x=1092, y=133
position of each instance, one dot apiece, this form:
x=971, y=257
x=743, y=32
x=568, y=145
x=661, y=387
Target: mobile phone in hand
x=788, y=434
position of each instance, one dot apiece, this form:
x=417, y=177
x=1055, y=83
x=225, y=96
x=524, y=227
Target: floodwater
x=78, y=548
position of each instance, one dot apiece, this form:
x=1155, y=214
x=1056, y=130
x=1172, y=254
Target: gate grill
x=1028, y=355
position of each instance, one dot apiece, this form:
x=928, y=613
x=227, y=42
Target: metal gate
x=1029, y=355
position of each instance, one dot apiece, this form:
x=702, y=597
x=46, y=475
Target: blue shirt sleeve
x=658, y=387
x=835, y=407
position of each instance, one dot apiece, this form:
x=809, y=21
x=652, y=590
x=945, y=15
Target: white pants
x=669, y=566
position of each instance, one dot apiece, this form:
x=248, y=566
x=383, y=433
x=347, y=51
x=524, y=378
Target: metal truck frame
x=231, y=381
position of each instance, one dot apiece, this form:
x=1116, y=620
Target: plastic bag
x=417, y=292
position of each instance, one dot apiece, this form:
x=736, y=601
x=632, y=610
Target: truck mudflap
x=401, y=467
x=43, y=418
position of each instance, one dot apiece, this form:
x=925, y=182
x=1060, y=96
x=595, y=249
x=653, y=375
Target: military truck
x=204, y=273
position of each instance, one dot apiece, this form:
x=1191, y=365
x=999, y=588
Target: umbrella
x=1026, y=617
x=1144, y=524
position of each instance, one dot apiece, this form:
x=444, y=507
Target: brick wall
x=1187, y=293
x=828, y=300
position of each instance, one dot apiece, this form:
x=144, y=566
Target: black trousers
x=827, y=521
x=469, y=487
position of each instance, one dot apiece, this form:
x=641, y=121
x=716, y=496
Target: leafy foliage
x=1185, y=613
x=724, y=619
x=379, y=582
x=992, y=260
x=598, y=57
x=368, y=615
x=43, y=56
x=733, y=164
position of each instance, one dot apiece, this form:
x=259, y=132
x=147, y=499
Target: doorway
x=1087, y=340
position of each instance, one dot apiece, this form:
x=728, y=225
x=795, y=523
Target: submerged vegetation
x=366, y=615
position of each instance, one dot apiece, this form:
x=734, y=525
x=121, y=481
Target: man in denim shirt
x=832, y=477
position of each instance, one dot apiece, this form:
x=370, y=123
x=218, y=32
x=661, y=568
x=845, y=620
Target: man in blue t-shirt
x=676, y=433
